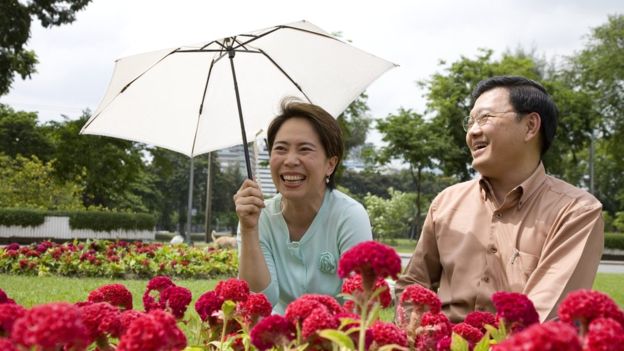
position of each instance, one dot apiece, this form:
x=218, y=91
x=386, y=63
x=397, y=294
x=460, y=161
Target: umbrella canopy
x=192, y=99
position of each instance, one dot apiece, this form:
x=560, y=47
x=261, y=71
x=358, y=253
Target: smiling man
x=515, y=228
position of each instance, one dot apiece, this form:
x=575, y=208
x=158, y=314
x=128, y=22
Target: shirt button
x=492, y=249
x=485, y=279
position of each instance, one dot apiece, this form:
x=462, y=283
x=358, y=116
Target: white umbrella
x=195, y=99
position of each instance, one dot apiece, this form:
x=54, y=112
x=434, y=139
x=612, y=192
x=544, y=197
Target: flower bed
x=117, y=259
x=233, y=318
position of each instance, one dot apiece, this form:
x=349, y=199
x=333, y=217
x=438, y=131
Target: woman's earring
x=326, y=179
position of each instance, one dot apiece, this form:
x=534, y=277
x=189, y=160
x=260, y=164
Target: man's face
x=496, y=138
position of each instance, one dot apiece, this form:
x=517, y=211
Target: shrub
x=21, y=217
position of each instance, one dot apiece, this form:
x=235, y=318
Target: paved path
x=604, y=267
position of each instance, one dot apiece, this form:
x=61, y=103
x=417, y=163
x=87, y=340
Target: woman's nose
x=292, y=158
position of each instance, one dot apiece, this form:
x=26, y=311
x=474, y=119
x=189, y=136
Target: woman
x=290, y=244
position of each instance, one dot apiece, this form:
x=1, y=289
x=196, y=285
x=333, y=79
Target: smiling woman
x=290, y=244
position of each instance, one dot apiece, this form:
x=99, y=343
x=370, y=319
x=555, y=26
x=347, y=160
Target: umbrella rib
x=285, y=74
x=201, y=106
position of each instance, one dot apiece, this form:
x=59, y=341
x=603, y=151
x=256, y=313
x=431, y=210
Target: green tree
x=415, y=141
x=30, y=183
x=112, y=169
x=598, y=70
x=391, y=218
x=354, y=123
x=15, y=20
x=21, y=135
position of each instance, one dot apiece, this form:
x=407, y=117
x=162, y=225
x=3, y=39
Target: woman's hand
x=249, y=202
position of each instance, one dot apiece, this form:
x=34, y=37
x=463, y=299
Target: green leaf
x=483, y=344
x=458, y=343
x=338, y=337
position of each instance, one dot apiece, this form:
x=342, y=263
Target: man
x=516, y=228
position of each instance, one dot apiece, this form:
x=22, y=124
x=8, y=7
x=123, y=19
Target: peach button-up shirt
x=545, y=240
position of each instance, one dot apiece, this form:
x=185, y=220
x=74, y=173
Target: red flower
x=4, y=298
x=515, y=309
x=115, y=294
x=176, y=299
x=256, y=306
x=479, y=319
x=9, y=313
x=233, y=289
x=7, y=345
x=298, y=310
x=272, y=331
x=605, y=334
x=421, y=296
x=101, y=319
x=444, y=344
x=387, y=334
x=159, y=283
x=468, y=332
x=318, y=320
x=353, y=286
x=433, y=328
x=550, y=336
x=154, y=331
x=370, y=258
x=586, y=305
x=51, y=326
x=126, y=318
x=12, y=246
x=207, y=305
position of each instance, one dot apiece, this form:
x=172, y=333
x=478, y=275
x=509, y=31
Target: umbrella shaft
x=231, y=54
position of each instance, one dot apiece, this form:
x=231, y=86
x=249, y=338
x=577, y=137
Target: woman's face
x=298, y=161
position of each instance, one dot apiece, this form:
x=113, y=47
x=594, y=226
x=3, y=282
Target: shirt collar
x=526, y=188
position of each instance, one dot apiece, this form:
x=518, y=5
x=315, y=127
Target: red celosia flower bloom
x=51, y=326
x=587, y=305
x=421, y=296
x=256, y=306
x=127, y=317
x=4, y=298
x=9, y=313
x=7, y=345
x=515, y=309
x=101, y=319
x=605, y=334
x=387, y=334
x=298, y=310
x=370, y=258
x=115, y=294
x=207, y=305
x=159, y=283
x=154, y=331
x=468, y=332
x=272, y=331
x=12, y=246
x=316, y=321
x=233, y=289
x=176, y=299
x=433, y=328
x=550, y=336
x=479, y=319
x=444, y=344
x=353, y=286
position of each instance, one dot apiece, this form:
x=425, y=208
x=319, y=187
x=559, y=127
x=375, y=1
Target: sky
x=76, y=60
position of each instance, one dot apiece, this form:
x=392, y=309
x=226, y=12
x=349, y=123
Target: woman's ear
x=533, y=124
x=331, y=165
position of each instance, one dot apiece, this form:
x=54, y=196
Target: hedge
x=94, y=220
x=21, y=217
x=614, y=241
